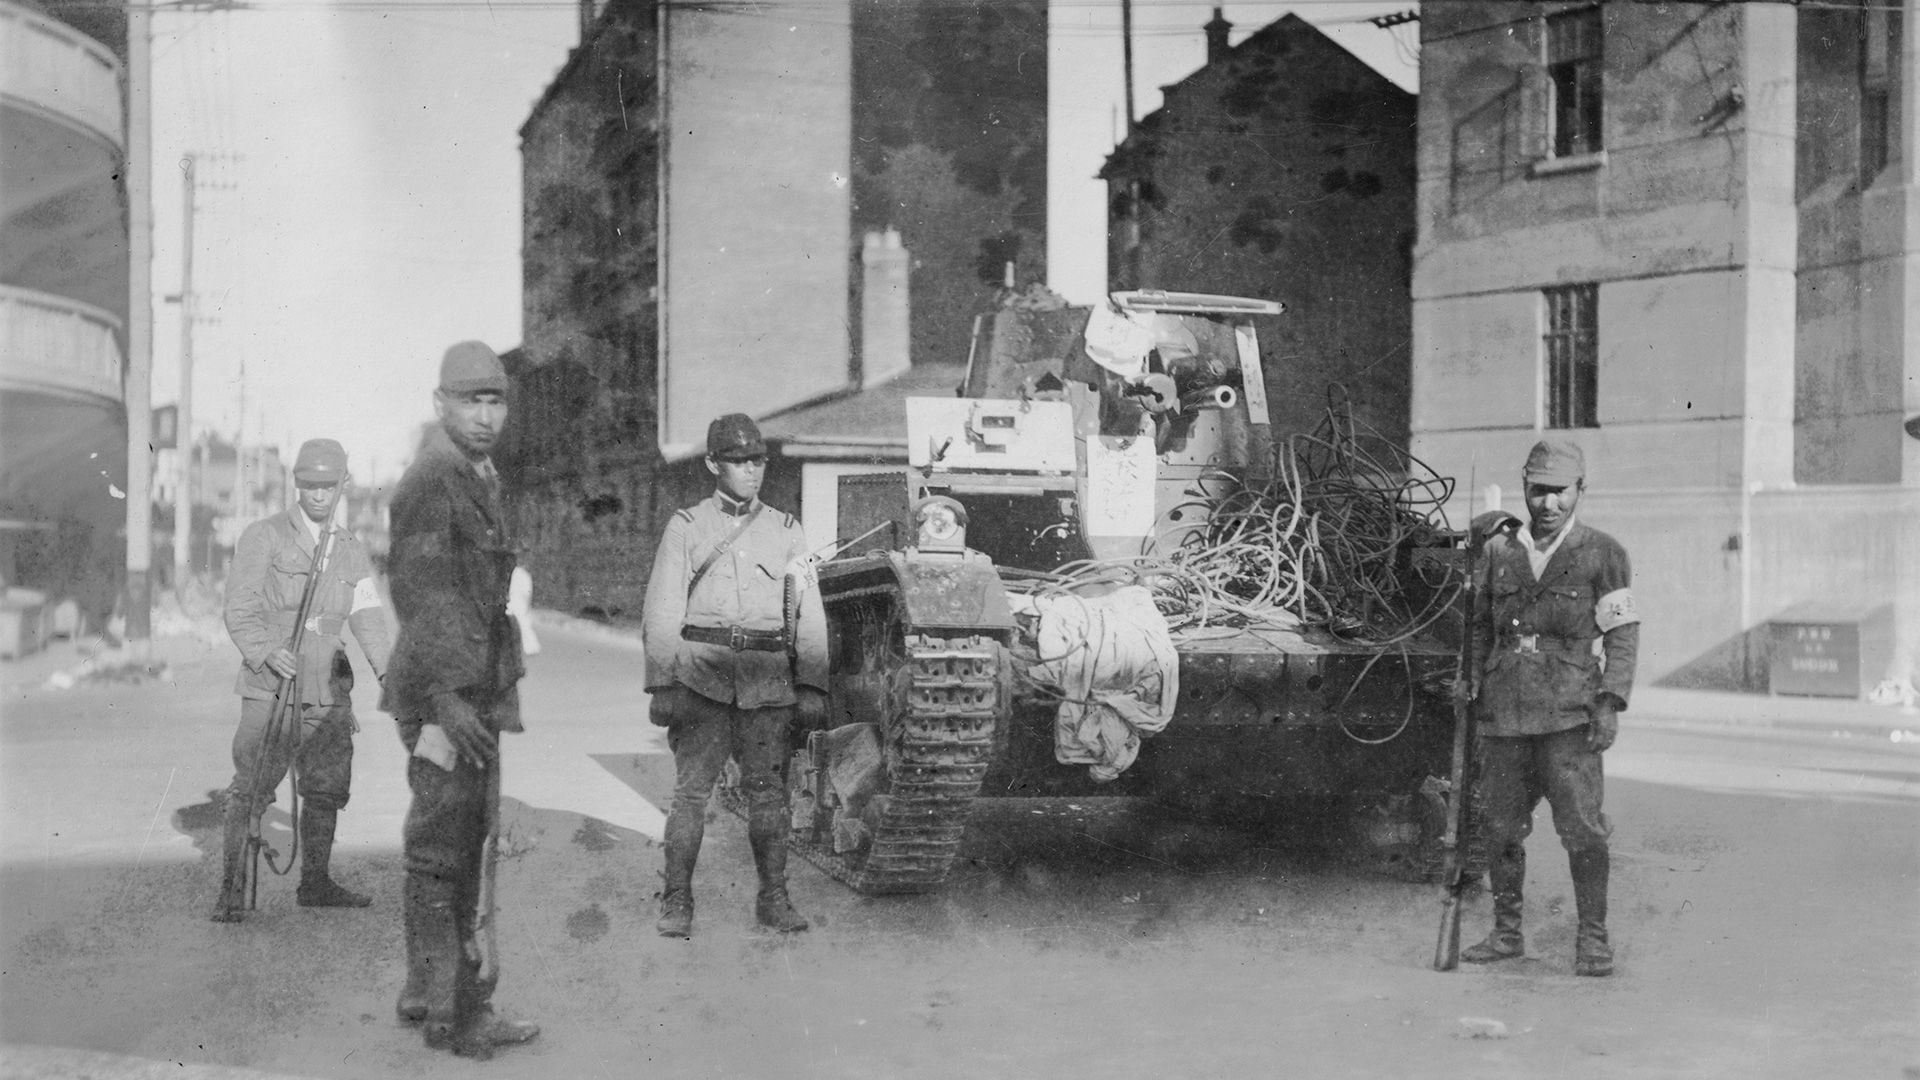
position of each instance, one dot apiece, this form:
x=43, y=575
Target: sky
x=357, y=188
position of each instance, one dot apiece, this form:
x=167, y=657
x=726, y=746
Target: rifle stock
x=484, y=945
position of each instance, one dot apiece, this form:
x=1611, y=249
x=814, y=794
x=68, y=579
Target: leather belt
x=737, y=638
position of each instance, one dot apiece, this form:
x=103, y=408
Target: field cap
x=1556, y=463
x=735, y=435
x=471, y=367
x=320, y=461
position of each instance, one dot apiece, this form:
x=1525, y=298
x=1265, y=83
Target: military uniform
x=264, y=588
x=722, y=645
x=450, y=565
x=1559, y=649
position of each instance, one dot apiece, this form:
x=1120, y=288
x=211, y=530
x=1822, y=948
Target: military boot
x=772, y=907
x=435, y=963
x=411, y=1007
x=676, y=900
x=1506, y=873
x=317, y=889
x=232, y=905
x=1592, y=955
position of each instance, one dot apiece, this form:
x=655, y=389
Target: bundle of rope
x=1322, y=543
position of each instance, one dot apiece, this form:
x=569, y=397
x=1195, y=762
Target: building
x=1684, y=235
x=63, y=301
x=701, y=237
x=1283, y=170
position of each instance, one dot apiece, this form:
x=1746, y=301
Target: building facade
x=1684, y=236
x=63, y=300
x=697, y=240
x=1282, y=170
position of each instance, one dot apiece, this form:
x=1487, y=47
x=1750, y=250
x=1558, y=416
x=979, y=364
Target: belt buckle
x=1526, y=643
x=736, y=639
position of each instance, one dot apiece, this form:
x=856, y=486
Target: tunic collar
x=731, y=506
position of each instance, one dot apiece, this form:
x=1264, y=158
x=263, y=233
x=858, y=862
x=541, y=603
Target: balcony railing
x=50, y=67
x=48, y=342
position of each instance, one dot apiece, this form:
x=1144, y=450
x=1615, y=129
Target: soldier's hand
x=665, y=705
x=464, y=728
x=283, y=663
x=811, y=708
x=1603, y=726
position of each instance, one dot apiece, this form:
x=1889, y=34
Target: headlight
x=941, y=523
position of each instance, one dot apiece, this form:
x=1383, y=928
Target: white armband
x=1616, y=609
x=364, y=596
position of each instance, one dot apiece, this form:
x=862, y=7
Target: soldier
x=1550, y=700
x=729, y=662
x=264, y=588
x=453, y=690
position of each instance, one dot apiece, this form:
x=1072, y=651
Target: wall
x=756, y=247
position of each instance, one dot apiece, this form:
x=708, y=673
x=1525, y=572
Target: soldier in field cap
x=730, y=662
x=453, y=688
x=264, y=589
x=1559, y=653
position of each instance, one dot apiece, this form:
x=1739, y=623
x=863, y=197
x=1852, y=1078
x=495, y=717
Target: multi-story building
x=1283, y=170
x=696, y=239
x=63, y=299
x=1685, y=236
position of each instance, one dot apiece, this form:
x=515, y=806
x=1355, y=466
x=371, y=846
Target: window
x=1572, y=356
x=1880, y=33
x=1573, y=78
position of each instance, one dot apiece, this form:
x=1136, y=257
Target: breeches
x=1517, y=771
x=710, y=733
x=446, y=827
x=323, y=765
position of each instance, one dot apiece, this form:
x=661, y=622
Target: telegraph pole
x=183, y=489
x=1126, y=56
x=138, y=389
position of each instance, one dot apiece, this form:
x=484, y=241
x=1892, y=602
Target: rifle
x=483, y=946
x=1460, y=825
x=286, y=709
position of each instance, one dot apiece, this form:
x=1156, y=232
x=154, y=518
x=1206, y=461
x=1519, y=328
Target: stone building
x=63, y=300
x=1684, y=235
x=1283, y=169
x=701, y=236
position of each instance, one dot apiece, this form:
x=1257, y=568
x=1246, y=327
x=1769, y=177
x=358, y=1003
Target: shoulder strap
x=721, y=549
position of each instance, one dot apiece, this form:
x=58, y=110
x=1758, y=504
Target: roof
x=864, y=424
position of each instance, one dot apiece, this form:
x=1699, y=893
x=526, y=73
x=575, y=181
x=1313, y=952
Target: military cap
x=321, y=461
x=470, y=367
x=1556, y=463
x=734, y=435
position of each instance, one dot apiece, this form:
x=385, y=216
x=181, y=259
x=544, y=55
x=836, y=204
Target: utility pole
x=241, y=508
x=183, y=490
x=1126, y=57
x=137, y=392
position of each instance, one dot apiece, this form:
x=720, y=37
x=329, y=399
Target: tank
x=1092, y=457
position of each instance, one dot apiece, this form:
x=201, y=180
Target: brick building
x=1283, y=169
x=1684, y=236
x=696, y=241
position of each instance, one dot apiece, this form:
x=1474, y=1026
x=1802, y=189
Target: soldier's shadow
x=202, y=822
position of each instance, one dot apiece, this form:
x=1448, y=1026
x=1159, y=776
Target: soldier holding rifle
x=1557, y=654
x=296, y=708
x=453, y=688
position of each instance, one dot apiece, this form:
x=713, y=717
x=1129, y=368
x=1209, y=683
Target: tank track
x=939, y=744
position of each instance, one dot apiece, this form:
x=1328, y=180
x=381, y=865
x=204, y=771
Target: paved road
x=1765, y=904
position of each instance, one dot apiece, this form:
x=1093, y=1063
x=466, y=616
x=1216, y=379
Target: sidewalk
x=1713, y=707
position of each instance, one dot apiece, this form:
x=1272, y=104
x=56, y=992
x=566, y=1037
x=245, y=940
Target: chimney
x=1217, y=37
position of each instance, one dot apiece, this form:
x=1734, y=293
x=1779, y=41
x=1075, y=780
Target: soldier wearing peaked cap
x=1559, y=656
x=264, y=588
x=729, y=662
x=453, y=689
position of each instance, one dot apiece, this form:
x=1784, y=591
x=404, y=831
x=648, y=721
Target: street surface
x=1766, y=916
